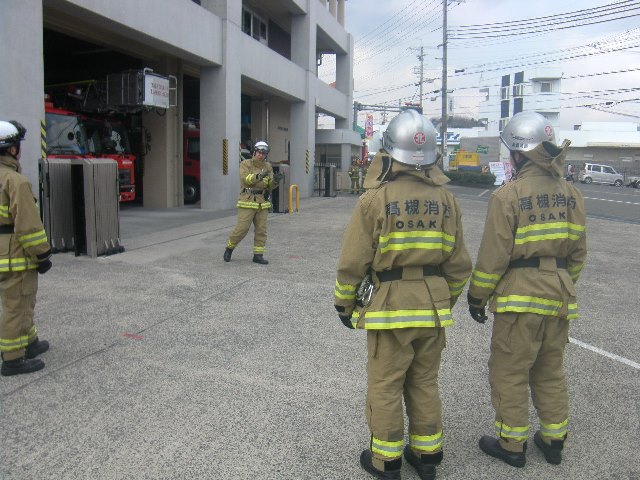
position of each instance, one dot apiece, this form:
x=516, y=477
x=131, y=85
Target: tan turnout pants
x=247, y=216
x=527, y=351
x=404, y=362
x=18, y=291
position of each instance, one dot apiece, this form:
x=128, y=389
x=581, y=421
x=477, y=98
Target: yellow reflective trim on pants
x=416, y=240
x=387, y=449
x=523, y=304
x=484, y=280
x=11, y=344
x=517, y=433
x=554, y=430
x=572, y=311
x=4, y=211
x=386, y=320
x=345, y=292
x=426, y=443
x=258, y=249
x=548, y=231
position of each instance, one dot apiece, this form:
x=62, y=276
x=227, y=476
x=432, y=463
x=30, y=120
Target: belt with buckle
x=535, y=262
x=396, y=273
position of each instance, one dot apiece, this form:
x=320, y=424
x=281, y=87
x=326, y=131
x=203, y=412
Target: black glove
x=44, y=267
x=477, y=312
x=259, y=176
x=346, y=321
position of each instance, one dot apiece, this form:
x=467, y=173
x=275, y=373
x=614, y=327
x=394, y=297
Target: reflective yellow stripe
x=253, y=205
x=574, y=271
x=17, y=264
x=554, y=430
x=345, y=292
x=517, y=433
x=523, y=303
x=573, y=311
x=484, y=280
x=548, y=231
x=387, y=320
x=258, y=249
x=455, y=288
x=416, y=240
x=33, y=239
x=4, y=211
x=249, y=179
x=386, y=448
x=10, y=344
x=426, y=443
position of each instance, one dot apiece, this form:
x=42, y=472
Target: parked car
x=596, y=173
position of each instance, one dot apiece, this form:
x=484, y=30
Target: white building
x=248, y=68
x=536, y=90
x=611, y=143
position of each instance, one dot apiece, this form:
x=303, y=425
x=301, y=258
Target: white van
x=596, y=173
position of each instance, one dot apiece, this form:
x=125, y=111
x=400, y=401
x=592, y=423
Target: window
x=504, y=93
x=503, y=123
x=608, y=170
x=546, y=87
x=255, y=26
x=518, y=90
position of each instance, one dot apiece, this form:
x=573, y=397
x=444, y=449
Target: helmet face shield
x=526, y=130
x=411, y=139
x=262, y=147
x=10, y=134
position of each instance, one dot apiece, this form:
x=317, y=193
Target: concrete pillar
x=220, y=94
x=22, y=76
x=341, y=12
x=302, y=114
x=163, y=164
x=332, y=7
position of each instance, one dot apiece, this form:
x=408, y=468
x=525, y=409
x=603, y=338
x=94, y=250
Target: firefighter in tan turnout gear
x=256, y=183
x=24, y=252
x=531, y=254
x=406, y=233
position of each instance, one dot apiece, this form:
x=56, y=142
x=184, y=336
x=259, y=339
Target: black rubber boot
x=258, y=258
x=490, y=446
x=391, y=469
x=425, y=465
x=227, y=254
x=552, y=453
x=35, y=348
x=20, y=365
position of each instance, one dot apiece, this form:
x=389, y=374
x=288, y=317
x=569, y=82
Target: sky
x=600, y=62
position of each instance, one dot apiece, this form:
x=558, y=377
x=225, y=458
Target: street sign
x=482, y=149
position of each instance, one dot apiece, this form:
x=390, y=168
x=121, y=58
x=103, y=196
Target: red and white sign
x=368, y=126
x=420, y=138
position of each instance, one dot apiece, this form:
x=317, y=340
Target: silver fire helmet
x=526, y=130
x=411, y=139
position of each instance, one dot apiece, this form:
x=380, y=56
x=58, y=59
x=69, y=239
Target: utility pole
x=444, y=82
x=420, y=71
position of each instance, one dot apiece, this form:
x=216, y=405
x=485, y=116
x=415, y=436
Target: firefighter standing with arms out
x=531, y=254
x=24, y=252
x=353, y=176
x=406, y=233
x=256, y=183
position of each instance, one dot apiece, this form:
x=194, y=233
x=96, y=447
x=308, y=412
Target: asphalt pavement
x=167, y=363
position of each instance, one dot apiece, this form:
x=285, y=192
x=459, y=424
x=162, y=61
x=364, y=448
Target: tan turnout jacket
x=252, y=191
x=27, y=245
x=409, y=221
x=541, y=215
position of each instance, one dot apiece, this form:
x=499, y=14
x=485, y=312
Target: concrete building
x=246, y=69
x=616, y=144
x=538, y=89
